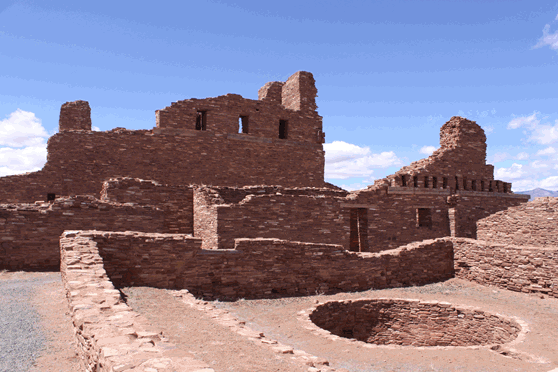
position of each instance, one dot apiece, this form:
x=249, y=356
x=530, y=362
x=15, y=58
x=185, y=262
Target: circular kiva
x=413, y=323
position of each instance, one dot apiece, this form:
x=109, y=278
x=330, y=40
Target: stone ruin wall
x=110, y=335
x=458, y=164
x=533, y=224
x=29, y=233
x=260, y=268
x=174, y=152
x=516, y=268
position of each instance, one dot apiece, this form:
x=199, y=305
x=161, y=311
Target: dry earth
x=196, y=329
x=278, y=320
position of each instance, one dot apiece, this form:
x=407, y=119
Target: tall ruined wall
x=459, y=163
x=79, y=162
x=261, y=268
x=29, y=233
x=521, y=269
x=175, y=200
x=532, y=224
x=292, y=102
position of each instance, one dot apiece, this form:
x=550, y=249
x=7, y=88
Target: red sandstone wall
x=266, y=267
x=532, y=224
x=78, y=162
x=175, y=200
x=520, y=269
x=29, y=233
x=110, y=336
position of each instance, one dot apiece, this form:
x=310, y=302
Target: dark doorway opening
x=51, y=196
x=283, y=129
x=358, y=230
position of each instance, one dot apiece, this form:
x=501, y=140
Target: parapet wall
x=533, y=224
x=263, y=268
x=519, y=269
x=110, y=336
x=29, y=233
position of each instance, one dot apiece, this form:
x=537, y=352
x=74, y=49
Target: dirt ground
x=198, y=331
x=280, y=320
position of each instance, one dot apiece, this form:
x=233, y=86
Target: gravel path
x=21, y=339
x=35, y=329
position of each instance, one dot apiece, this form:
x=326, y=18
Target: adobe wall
x=533, y=224
x=521, y=269
x=29, y=233
x=110, y=336
x=262, y=268
x=175, y=200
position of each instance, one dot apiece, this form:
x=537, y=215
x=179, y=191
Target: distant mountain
x=537, y=193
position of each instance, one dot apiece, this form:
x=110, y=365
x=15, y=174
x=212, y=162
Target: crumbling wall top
x=75, y=116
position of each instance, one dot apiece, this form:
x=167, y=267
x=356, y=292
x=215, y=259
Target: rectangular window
x=243, y=124
x=283, y=129
x=482, y=185
x=201, y=120
x=491, y=186
x=51, y=197
x=445, y=182
x=465, y=184
x=404, y=183
x=435, y=183
x=414, y=181
x=423, y=217
x=474, y=184
x=457, y=183
x=426, y=182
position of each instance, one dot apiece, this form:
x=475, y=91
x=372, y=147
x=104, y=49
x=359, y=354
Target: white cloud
x=538, y=164
x=544, y=134
x=488, y=129
x=345, y=160
x=506, y=174
x=427, y=150
x=549, y=183
x=522, y=156
x=500, y=156
x=95, y=129
x=22, y=128
x=23, y=138
x=547, y=151
x=547, y=39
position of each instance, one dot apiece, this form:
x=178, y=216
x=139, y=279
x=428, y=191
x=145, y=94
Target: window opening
x=457, y=183
x=505, y=187
x=465, y=184
x=482, y=183
x=51, y=196
x=358, y=230
x=201, y=120
x=474, y=184
x=404, y=181
x=445, y=182
x=490, y=186
x=243, y=124
x=435, y=183
x=424, y=217
x=426, y=182
x=283, y=129
x=414, y=181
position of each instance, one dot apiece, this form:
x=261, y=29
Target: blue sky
x=389, y=73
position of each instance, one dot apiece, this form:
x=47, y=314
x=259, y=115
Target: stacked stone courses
x=531, y=224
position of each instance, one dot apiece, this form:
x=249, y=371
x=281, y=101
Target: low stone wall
x=413, y=323
x=29, y=233
x=263, y=268
x=520, y=269
x=110, y=336
x=532, y=224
